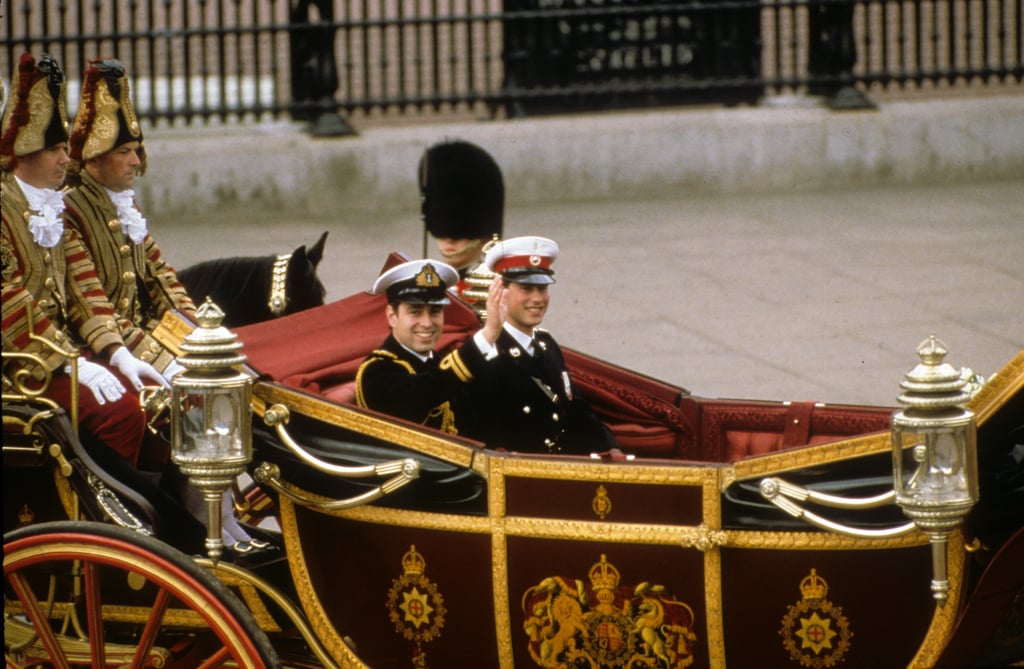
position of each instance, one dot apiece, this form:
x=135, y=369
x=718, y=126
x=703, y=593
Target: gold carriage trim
x=814, y=631
x=607, y=624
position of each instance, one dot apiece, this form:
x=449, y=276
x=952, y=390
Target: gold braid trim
x=442, y=411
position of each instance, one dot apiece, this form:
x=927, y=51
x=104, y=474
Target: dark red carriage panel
x=621, y=605
x=608, y=501
x=801, y=607
x=399, y=593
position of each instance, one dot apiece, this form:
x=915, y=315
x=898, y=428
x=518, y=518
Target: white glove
x=97, y=378
x=172, y=370
x=135, y=369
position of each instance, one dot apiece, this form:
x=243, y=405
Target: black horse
x=253, y=289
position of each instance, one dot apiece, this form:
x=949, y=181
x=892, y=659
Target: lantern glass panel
x=215, y=425
x=936, y=465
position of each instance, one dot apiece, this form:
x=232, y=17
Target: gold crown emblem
x=413, y=563
x=428, y=278
x=25, y=516
x=604, y=575
x=813, y=586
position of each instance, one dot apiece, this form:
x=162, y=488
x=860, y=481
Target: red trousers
x=120, y=425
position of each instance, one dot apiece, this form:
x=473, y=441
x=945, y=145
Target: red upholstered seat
x=732, y=430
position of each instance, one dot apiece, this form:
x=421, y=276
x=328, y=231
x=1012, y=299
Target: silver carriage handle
x=402, y=471
x=782, y=494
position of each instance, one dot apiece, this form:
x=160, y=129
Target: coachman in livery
x=107, y=152
x=52, y=299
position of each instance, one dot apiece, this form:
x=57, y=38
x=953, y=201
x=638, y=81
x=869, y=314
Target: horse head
x=254, y=289
x=303, y=288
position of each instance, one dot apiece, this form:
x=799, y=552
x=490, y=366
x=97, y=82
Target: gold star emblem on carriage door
x=816, y=633
x=416, y=607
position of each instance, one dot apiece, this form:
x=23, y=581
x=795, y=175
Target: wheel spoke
x=39, y=620
x=94, y=614
x=152, y=630
x=218, y=659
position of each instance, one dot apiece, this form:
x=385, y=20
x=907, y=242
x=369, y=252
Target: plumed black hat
x=106, y=117
x=462, y=190
x=35, y=117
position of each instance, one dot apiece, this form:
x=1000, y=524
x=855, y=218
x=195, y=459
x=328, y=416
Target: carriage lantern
x=211, y=412
x=935, y=467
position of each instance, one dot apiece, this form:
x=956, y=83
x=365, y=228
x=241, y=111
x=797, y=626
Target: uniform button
x=154, y=347
x=46, y=258
x=112, y=326
x=526, y=409
x=44, y=303
x=114, y=224
x=128, y=276
x=554, y=417
x=146, y=356
x=125, y=249
x=50, y=283
x=124, y=303
x=58, y=335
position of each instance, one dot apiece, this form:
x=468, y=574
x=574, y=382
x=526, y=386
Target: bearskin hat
x=36, y=114
x=463, y=194
x=106, y=118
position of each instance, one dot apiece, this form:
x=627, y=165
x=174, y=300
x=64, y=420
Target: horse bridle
x=278, y=289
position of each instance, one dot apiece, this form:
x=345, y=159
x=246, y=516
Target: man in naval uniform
x=50, y=286
x=404, y=377
x=524, y=399
x=107, y=153
x=462, y=197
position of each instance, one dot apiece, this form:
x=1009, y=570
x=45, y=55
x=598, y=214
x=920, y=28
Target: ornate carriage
x=724, y=533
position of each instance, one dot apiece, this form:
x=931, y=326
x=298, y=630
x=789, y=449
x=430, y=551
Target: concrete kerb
x=277, y=168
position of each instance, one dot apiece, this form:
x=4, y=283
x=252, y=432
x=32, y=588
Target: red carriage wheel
x=84, y=594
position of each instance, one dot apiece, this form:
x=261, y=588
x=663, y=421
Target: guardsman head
x=35, y=117
x=417, y=293
x=463, y=199
x=106, y=119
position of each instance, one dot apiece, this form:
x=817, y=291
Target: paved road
x=791, y=296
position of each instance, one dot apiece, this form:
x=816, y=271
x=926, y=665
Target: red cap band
x=514, y=262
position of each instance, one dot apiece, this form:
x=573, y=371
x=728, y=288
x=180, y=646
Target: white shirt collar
x=45, y=208
x=423, y=358
x=523, y=339
x=132, y=222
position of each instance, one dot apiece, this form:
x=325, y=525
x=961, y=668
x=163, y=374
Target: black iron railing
x=230, y=61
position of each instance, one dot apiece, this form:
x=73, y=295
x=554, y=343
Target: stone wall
x=276, y=168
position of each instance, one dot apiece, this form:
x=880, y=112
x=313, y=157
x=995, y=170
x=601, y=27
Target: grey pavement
x=791, y=295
